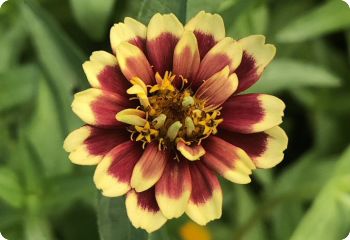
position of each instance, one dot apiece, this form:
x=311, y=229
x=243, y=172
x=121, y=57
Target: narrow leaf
x=327, y=18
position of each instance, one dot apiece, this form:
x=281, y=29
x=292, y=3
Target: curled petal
x=131, y=31
x=217, y=89
x=149, y=168
x=113, y=173
x=227, y=52
x=205, y=202
x=103, y=71
x=143, y=210
x=208, y=28
x=88, y=145
x=174, y=188
x=134, y=63
x=251, y=113
x=98, y=108
x=191, y=152
x=256, y=56
x=163, y=32
x=186, y=56
x=264, y=148
x=132, y=116
x=229, y=161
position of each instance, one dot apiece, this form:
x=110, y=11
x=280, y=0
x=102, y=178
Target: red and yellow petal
x=256, y=56
x=208, y=28
x=264, y=148
x=227, y=52
x=174, y=188
x=163, y=33
x=131, y=31
x=113, y=173
x=186, y=56
x=191, y=152
x=149, y=168
x=88, y=145
x=143, y=210
x=229, y=161
x=205, y=203
x=97, y=107
x=134, y=63
x=251, y=113
x=103, y=71
x=217, y=89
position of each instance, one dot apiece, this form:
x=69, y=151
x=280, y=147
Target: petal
x=251, y=113
x=88, y=145
x=190, y=152
x=149, y=168
x=227, y=52
x=132, y=116
x=205, y=202
x=143, y=210
x=265, y=148
x=131, y=31
x=208, y=28
x=98, y=108
x=174, y=188
x=229, y=161
x=186, y=56
x=163, y=32
x=103, y=71
x=134, y=63
x=217, y=89
x=113, y=173
x=256, y=56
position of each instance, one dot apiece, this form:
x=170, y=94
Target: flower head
x=165, y=115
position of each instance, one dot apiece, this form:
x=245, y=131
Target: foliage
x=43, y=44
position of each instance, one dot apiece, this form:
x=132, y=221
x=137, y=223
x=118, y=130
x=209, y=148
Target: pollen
x=170, y=114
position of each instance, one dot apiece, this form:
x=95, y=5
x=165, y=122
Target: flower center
x=168, y=114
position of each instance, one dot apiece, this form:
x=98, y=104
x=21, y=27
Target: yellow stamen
x=159, y=121
x=173, y=130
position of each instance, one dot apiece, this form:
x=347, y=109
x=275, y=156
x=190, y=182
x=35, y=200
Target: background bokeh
x=45, y=197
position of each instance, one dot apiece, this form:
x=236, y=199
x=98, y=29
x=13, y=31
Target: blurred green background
x=45, y=197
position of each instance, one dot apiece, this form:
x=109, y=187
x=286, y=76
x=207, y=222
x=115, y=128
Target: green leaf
x=60, y=58
x=289, y=74
x=18, y=86
x=14, y=36
x=327, y=18
x=92, y=16
x=329, y=215
x=195, y=6
x=11, y=190
x=113, y=221
x=151, y=7
x=44, y=125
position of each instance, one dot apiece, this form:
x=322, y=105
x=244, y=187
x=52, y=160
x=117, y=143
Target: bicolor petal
x=143, y=210
x=97, y=107
x=88, y=145
x=131, y=31
x=191, y=152
x=174, y=188
x=163, y=33
x=149, y=168
x=256, y=56
x=251, y=113
x=208, y=28
x=103, y=71
x=113, y=173
x=229, y=161
x=217, y=89
x=205, y=202
x=264, y=148
x=227, y=52
x=134, y=63
x=186, y=56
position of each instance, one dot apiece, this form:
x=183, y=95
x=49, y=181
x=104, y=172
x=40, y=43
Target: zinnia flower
x=165, y=114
